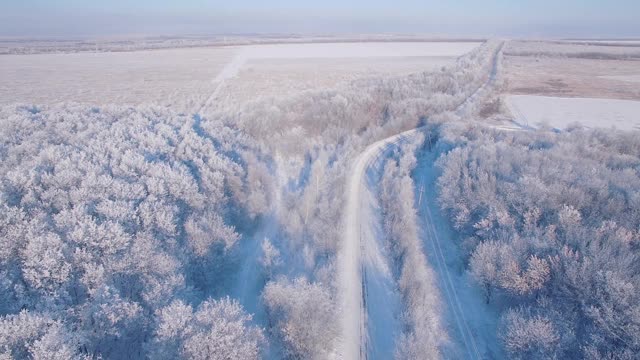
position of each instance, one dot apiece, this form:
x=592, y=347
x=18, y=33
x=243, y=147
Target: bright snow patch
x=629, y=78
x=560, y=113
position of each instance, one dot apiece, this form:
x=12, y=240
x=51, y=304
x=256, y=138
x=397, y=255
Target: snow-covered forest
x=131, y=232
x=550, y=224
x=115, y=222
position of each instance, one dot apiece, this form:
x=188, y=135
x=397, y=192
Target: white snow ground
x=560, y=113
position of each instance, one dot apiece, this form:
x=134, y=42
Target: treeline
x=551, y=225
x=423, y=333
x=560, y=49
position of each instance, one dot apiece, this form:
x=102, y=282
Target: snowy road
x=358, y=240
x=361, y=251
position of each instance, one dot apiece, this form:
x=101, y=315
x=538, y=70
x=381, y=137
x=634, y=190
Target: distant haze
x=530, y=18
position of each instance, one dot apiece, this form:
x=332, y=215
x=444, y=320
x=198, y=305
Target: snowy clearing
x=563, y=112
x=357, y=50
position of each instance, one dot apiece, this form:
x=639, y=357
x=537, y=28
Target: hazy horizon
x=73, y=18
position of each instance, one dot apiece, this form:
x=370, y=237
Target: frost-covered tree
x=422, y=334
x=218, y=329
x=270, y=258
x=207, y=229
x=485, y=265
x=36, y=336
x=529, y=336
x=44, y=266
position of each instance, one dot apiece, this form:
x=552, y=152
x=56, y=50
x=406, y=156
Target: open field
x=185, y=78
x=571, y=77
x=559, y=84
x=165, y=77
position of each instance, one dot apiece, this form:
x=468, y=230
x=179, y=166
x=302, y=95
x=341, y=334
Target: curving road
x=358, y=240
x=353, y=280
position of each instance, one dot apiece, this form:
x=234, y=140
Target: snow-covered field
x=186, y=78
x=605, y=42
x=9, y=45
x=165, y=77
x=570, y=77
x=560, y=113
x=358, y=50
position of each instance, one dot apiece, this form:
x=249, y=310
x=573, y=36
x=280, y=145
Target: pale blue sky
x=552, y=18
